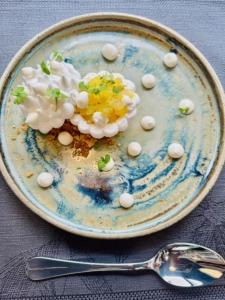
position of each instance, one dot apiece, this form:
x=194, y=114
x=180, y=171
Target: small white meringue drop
x=103, y=73
x=96, y=132
x=175, y=150
x=136, y=99
x=40, y=88
x=129, y=84
x=57, y=122
x=118, y=76
x=76, y=119
x=31, y=118
x=73, y=96
x=68, y=110
x=109, y=166
x=55, y=65
x=170, y=60
x=110, y=52
x=148, y=81
x=126, y=200
x=99, y=119
x=39, y=110
x=122, y=124
x=131, y=102
x=110, y=130
x=127, y=100
x=45, y=127
x=82, y=100
x=45, y=179
x=88, y=77
x=147, y=122
x=65, y=81
x=186, y=106
x=28, y=72
x=134, y=149
x=131, y=114
x=65, y=138
x=84, y=127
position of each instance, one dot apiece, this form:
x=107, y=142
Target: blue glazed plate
x=84, y=201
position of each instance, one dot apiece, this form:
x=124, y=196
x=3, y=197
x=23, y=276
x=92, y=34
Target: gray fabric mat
x=23, y=234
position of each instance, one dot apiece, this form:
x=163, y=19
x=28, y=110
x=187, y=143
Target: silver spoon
x=180, y=264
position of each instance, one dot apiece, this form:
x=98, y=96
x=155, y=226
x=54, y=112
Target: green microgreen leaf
x=45, y=68
x=83, y=86
x=117, y=89
x=184, y=110
x=107, y=158
x=111, y=81
x=101, y=165
x=20, y=95
x=103, y=162
x=56, y=55
x=56, y=95
x=108, y=79
x=102, y=87
x=94, y=90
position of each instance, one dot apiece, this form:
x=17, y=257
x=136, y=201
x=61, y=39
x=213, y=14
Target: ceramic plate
x=84, y=201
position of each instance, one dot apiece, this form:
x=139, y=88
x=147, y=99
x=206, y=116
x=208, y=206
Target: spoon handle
x=40, y=268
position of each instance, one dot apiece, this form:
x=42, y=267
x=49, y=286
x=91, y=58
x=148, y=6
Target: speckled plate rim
x=149, y=23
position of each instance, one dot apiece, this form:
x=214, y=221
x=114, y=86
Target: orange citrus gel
x=105, y=95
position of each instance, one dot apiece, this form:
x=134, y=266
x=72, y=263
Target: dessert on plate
x=57, y=101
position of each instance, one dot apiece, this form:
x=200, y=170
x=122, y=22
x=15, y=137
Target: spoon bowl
x=188, y=265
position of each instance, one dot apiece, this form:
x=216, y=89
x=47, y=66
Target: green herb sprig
x=19, y=94
x=103, y=86
x=103, y=162
x=56, y=55
x=94, y=90
x=117, y=89
x=183, y=110
x=83, y=86
x=108, y=79
x=56, y=95
x=45, y=68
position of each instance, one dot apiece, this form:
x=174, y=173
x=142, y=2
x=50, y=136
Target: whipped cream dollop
x=100, y=126
x=51, y=93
